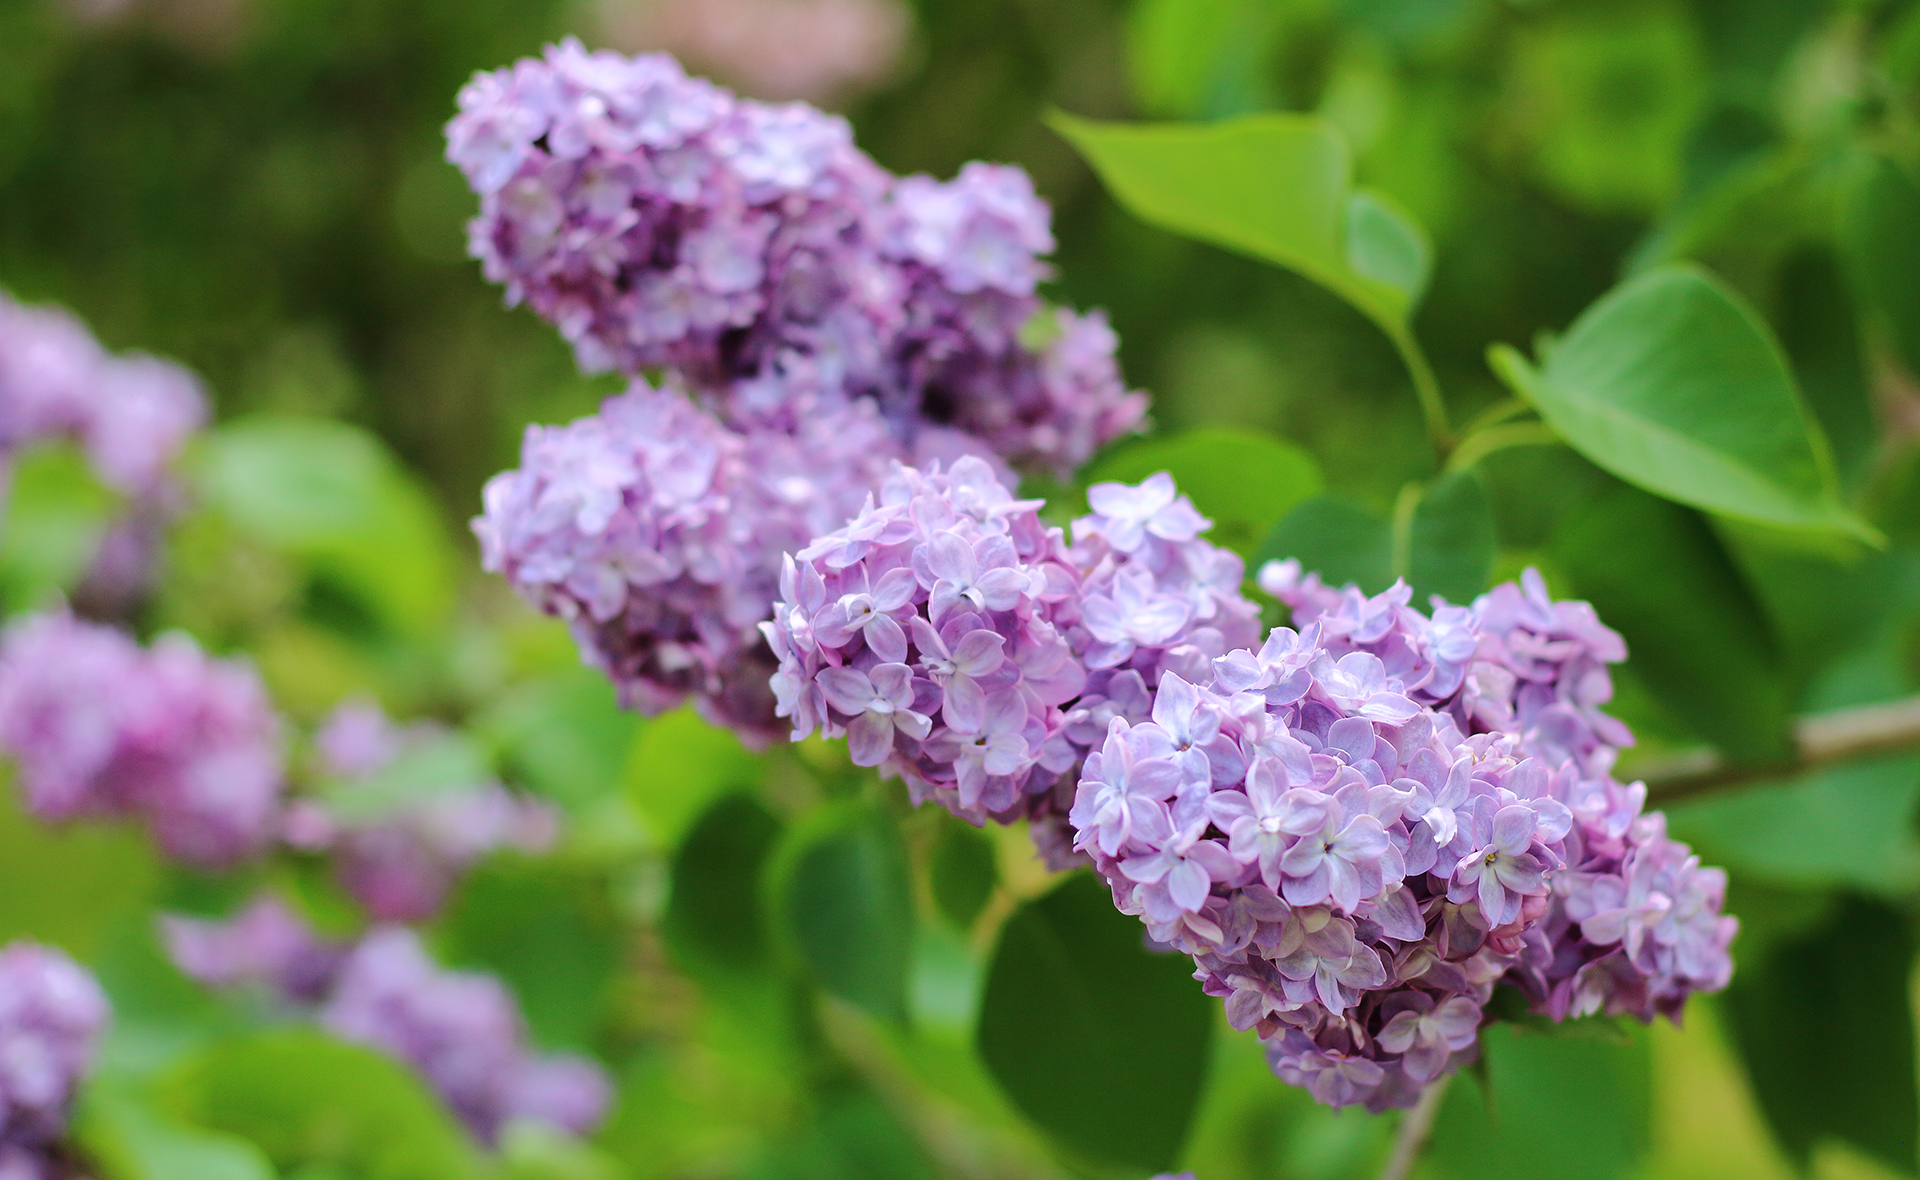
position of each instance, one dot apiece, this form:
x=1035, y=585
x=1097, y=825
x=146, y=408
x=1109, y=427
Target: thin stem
x=1479, y=445
x=1494, y=415
x=1404, y=506
x=1822, y=740
x=1414, y=1128
x=1426, y=387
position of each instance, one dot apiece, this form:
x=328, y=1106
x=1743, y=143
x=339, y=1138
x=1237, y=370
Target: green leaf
x=679, y=763
x=330, y=495
x=550, y=933
x=1451, y=547
x=716, y=921
x=1098, y=1040
x=304, y=1098
x=564, y=735
x=439, y=763
x=1880, y=229
x=126, y=1139
x=842, y=902
x=962, y=871
x=1674, y=384
x=70, y=886
x=1657, y=574
x=56, y=512
x=1278, y=187
x=1200, y=58
x=1337, y=537
x=1556, y=1103
x=1385, y=245
x=1244, y=480
x=1825, y=1024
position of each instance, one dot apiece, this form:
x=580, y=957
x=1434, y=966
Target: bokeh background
x=256, y=188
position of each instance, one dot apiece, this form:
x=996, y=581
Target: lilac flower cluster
x=52, y=1013
x=660, y=221
x=400, y=858
x=460, y=1030
x=132, y=414
x=98, y=725
x=656, y=532
x=964, y=646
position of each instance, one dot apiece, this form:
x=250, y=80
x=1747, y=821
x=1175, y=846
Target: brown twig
x=1415, y=1125
x=1822, y=740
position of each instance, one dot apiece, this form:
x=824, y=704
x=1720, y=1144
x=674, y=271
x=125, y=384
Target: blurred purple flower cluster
x=827, y=317
x=461, y=1030
x=659, y=221
x=52, y=1013
x=401, y=856
x=99, y=725
x=966, y=647
x=132, y=414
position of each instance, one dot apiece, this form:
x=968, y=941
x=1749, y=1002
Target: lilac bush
x=99, y=726
x=401, y=858
x=460, y=1030
x=52, y=1014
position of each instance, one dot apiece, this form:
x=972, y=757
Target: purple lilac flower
x=462, y=1031
x=975, y=671
x=400, y=859
x=659, y=221
x=52, y=1013
x=266, y=945
x=656, y=532
x=100, y=726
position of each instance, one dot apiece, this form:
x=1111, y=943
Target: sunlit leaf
x=129, y=1140
x=679, y=763
x=304, y=1098
x=1276, y=186
x=332, y=496
x=70, y=885
x=1672, y=383
x=1243, y=480
x=842, y=902
x=1824, y=1022
x=563, y=734
x=56, y=512
x=1100, y=1041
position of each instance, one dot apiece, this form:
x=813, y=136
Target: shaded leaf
x=1672, y=383
x=679, y=763
x=1386, y=245
x=304, y=1098
x=1881, y=233
x=843, y=904
x=1553, y=1104
x=1337, y=537
x=564, y=735
x=962, y=871
x=1098, y=1040
x=1825, y=1025
x=715, y=919
x=1820, y=330
x=1451, y=545
x=1244, y=480
x=1275, y=186
x=1695, y=636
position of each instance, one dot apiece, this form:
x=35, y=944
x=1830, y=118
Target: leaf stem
x=1404, y=506
x=1480, y=444
x=1426, y=387
x=1821, y=740
x=1415, y=1125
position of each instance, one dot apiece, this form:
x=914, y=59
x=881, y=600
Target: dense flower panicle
x=462, y=1031
x=659, y=221
x=52, y=1013
x=963, y=645
x=132, y=414
x=656, y=532
x=400, y=858
x=100, y=726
